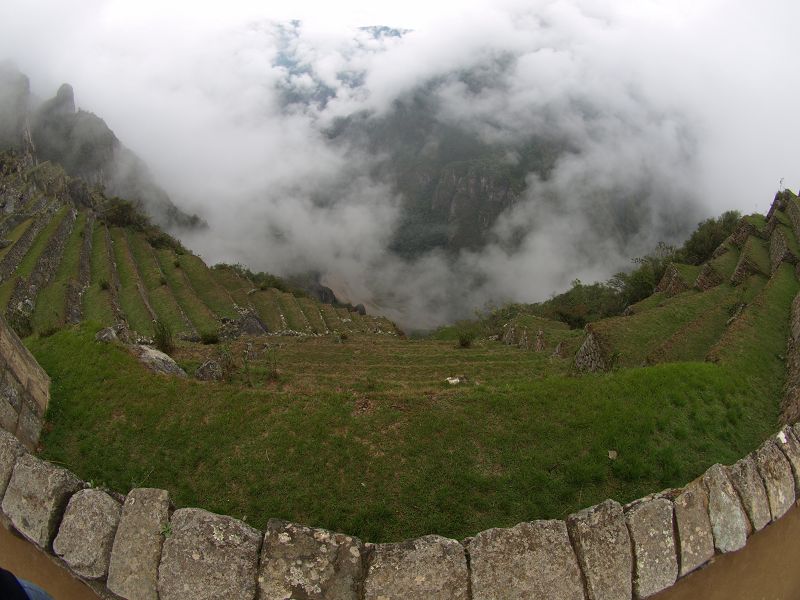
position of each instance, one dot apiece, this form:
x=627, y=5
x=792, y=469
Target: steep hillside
x=482, y=424
x=69, y=254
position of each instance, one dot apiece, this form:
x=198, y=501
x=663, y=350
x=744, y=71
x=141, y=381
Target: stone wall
x=672, y=282
x=24, y=389
x=779, y=250
x=139, y=548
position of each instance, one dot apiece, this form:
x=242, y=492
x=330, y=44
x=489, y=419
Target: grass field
x=366, y=437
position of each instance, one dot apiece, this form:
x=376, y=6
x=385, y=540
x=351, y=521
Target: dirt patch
x=27, y=562
x=765, y=569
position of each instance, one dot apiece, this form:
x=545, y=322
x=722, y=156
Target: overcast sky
x=700, y=97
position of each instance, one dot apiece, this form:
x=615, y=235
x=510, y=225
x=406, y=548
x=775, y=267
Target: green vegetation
x=97, y=299
x=203, y=320
x=159, y=294
x=131, y=289
x=368, y=438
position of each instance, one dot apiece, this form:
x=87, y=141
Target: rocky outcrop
x=157, y=361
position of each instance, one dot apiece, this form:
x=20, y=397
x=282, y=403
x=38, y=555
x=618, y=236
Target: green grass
x=756, y=250
x=725, y=264
x=130, y=299
x=233, y=283
x=51, y=301
x=210, y=292
x=311, y=310
x=758, y=220
x=202, y=318
x=97, y=299
x=630, y=340
x=688, y=273
x=366, y=437
x=291, y=311
x=331, y=317
x=266, y=304
x=158, y=290
x=693, y=341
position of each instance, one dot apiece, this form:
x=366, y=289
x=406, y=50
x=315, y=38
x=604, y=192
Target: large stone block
x=695, y=538
x=208, y=556
x=430, y=567
x=133, y=570
x=8, y=416
x=747, y=482
x=728, y=519
x=29, y=427
x=36, y=498
x=655, y=561
x=787, y=441
x=778, y=479
x=87, y=532
x=602, y=544
x=313, y=564
x=529, y=560
x=10, y=451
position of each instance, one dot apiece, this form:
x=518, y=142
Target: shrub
x=163, y=336
x=465, y=338
x=209, y=337
x=104, y=285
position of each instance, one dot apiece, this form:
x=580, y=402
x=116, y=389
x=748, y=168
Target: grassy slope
x=633, y=338
x=97, y=299
x=156, y=284
x=51, y=302
x=312, y=312
x=366, y=437
x=210, y=292
x=265, y=303
x=130, y=300
x=694, y=340
x=202, y=318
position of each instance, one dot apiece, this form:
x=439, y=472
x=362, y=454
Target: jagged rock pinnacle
x=65, y=99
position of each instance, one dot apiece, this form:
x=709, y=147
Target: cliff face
x=83, y=144
x=14, y=98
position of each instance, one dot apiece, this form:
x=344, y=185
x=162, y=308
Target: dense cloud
x=674, y=110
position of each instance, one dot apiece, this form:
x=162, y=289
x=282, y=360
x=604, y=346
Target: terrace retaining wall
x=137, y=547
x=24, y=389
